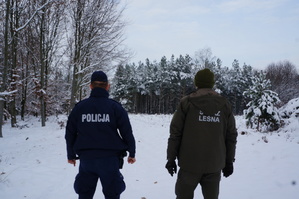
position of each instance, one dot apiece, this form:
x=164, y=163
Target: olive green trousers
x=187, y=183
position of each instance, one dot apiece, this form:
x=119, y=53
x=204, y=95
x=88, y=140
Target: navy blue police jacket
x=98, y=127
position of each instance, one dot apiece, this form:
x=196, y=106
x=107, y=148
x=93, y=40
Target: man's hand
x=171, y=167
x=228, y=169
x=73, y=162
x=131, y=160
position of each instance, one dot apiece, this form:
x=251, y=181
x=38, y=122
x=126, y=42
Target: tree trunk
x=77, y=53
x=74, y=88
x=12, y=103
x=24, y=86
x=4, y=73
x=42, y=70
x=1, y=115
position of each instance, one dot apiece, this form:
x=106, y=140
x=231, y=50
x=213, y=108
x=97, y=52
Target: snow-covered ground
x=33, y=162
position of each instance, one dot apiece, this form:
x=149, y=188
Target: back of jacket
x=202, y=132
x=97, y=127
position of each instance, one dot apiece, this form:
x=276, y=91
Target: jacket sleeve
x=231, y=138
x=125, y=130
x=71, y=136
x=176, y=131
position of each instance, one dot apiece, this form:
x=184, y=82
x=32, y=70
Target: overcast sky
x=255, y=32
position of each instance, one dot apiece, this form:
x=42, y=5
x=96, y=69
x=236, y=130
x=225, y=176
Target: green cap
x=204, y=79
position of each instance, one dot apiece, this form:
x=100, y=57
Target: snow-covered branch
x=7, y=93
x=35, y=13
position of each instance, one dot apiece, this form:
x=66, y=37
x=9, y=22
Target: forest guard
x=203, y=139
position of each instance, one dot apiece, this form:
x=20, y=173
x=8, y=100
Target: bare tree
x=31, y=38
x=39, y=43
x=13, y=10
x=98, y=34
x=48, y=26
x=15, y=15
x=284, y=80
x=4, y=66
x=204, y=58
x=32, y=56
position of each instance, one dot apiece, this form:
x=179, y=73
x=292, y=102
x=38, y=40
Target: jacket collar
x=203, y=91
x=99, y=92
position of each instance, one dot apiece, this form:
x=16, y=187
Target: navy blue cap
x=99, y=76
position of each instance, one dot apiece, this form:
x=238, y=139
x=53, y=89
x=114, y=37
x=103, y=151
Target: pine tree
x=262, y=113
x=123, y=86
x=245, y=83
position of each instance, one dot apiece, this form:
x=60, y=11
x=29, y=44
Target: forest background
x=49, y=48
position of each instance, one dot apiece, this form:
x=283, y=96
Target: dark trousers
x=187, y=183
x=107, y=170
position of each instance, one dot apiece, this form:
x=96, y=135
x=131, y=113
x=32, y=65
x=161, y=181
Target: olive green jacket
x=203, y=134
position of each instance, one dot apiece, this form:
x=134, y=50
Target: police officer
x=203, y=139
x=99, y=132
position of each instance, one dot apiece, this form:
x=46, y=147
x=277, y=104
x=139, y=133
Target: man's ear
x=107, y=87
x=90, y=86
